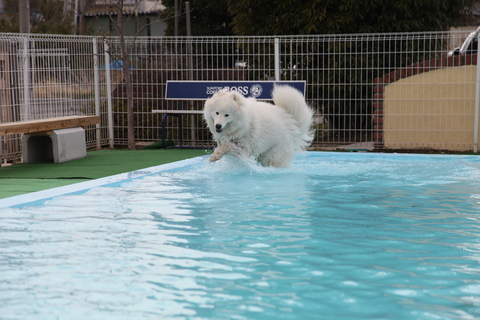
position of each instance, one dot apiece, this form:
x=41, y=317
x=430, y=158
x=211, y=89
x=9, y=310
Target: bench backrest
x=202, y=90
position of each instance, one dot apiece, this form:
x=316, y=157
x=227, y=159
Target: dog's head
x=221, y=110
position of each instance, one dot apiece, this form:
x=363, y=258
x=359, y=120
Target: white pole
x=75, y=18
x=24, y=15
x=109, y=95
x=277, y=59
x=190, y=66
x=477, y=103
x=96, y=79
x=26, y=79
x=176, y=17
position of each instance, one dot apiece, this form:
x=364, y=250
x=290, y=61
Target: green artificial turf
x=29, y=177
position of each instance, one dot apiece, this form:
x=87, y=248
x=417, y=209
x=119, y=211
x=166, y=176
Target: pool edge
x=76, y=187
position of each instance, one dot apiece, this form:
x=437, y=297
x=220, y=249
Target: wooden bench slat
x=39, y=125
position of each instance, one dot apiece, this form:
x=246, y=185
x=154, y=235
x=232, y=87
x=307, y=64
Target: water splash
x=238, y=161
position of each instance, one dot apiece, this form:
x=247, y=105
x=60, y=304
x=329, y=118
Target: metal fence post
x=96, y=79
x=190, y=66
x=277, y=59
x=477, y=102
x=109, y=94
x=26, y=78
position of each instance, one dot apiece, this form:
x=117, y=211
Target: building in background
x=95, y=16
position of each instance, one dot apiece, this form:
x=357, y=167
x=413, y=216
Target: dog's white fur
x=271, y=133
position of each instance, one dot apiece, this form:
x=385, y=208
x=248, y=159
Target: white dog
x=271, y=133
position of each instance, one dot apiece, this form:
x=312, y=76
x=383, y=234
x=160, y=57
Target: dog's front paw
x=215, y=157
x=219, y=153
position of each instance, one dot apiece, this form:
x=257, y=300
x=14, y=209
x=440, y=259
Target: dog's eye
x=226, y=115
x=216, y=113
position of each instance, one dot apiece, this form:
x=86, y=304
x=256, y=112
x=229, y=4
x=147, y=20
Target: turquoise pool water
x=337, y=236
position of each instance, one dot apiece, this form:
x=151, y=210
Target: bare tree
x=127, y=74
x=125, y=49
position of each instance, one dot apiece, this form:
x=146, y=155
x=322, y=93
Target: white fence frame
x=43, y=76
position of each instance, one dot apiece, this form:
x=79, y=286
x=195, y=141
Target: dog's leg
x=227, y=147
x=219, y=152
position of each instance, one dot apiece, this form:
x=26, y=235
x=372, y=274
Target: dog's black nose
x=218, y=126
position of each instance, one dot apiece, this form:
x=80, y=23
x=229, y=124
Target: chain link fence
x=369, y=91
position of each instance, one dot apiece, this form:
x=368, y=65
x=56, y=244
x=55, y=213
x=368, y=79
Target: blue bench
x=202, y=90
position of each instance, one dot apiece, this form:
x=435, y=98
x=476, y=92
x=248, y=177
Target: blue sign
x=202, y=90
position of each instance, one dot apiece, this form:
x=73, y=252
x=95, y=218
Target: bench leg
x=36, y=148
x=60, y=146
x=164, y=130
x=68, y=144
x=181, y=130
x=164, y=121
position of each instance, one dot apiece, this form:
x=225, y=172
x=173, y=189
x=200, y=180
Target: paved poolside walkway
x=24, y=178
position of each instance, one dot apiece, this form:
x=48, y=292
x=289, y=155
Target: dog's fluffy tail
x=294, y=103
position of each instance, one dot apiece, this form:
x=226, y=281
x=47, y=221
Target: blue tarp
x=116, y=65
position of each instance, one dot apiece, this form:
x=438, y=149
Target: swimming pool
x=337, y=236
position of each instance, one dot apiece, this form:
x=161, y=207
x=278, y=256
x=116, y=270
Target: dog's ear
x=221, y=92
x=237, y=97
